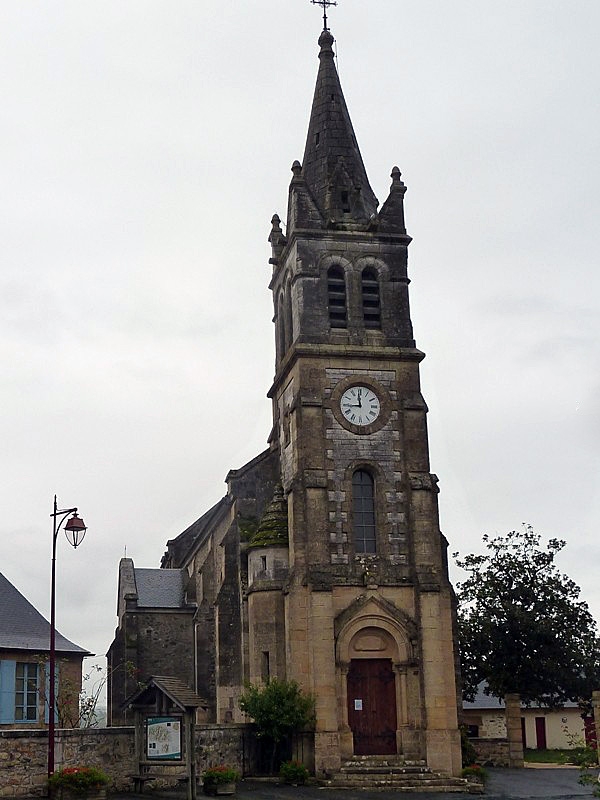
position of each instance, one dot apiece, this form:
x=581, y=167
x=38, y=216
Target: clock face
x=360, y=405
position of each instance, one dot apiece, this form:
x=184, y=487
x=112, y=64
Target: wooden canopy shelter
x=165, y=711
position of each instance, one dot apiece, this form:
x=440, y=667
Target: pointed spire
x=333, y=167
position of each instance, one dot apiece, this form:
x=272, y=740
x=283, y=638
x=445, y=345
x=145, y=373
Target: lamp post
x=75, y=532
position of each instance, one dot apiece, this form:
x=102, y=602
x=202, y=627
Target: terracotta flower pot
x=219, y=788
x=226, y=788
x=63, y=793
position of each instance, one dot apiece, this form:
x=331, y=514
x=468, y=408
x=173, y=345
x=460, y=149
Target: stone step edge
x=384, y=770
x=419, y=789
x=400, y=780
x=395, y=761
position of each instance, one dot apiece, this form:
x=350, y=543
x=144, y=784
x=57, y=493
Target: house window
x=363, y=511
x=336, y=297
x=370, y=299
x=26, y=692
x=20, y=691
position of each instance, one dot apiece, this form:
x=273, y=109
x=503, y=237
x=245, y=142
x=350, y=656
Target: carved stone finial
x=326, y=41
x=396, y=177
x=277, y=239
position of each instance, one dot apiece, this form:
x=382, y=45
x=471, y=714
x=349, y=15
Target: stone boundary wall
x=23, y=754
x=492, y=752
x=24, y=757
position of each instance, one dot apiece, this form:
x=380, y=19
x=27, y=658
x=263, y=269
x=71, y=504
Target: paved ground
x=504, y=784
x=510, y=784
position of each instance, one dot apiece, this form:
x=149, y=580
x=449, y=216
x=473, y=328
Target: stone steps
x=383, y=762
x=395, y=773
x=384, y=770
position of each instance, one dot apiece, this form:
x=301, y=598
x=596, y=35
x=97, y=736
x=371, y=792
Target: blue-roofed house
x=24, y=653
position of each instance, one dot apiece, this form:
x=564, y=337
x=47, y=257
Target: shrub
x=221, y=774
x=78, y=778
x=583, y=757
x=475, y=772
x=279, y=709
x=293, y=772
x=468, y=751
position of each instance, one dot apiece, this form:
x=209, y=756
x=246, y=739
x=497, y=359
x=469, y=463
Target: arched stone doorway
x=374, y=652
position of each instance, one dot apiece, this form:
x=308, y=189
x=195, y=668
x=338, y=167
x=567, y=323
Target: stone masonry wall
x=492, y=752
x=23, y=757
x=23, y=754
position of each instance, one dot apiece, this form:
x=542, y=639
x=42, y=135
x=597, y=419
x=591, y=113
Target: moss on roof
x=272, y=530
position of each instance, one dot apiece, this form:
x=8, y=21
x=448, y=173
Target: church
x=324, y=563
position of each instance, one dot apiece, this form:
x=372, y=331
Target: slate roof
x=160, y=588
x=191, y=537
x=488, y=701
x=22, y=627
x=483, y=700
x=175, y=689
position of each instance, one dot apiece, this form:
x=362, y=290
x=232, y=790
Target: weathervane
x=325, y=5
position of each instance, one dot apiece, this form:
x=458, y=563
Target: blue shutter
x=7, y=692
x=47, y=691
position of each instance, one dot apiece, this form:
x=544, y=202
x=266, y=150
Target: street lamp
x=75, y=532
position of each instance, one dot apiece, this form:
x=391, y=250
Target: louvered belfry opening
x=336, y=297
x=370, y=299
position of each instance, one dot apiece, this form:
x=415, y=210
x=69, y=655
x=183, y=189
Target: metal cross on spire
x=325, y=5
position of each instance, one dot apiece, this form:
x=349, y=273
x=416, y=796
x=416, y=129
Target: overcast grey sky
x=145, y=145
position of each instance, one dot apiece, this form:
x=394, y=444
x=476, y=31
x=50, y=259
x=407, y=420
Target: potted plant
x=78, y=783
x=293, y=772
x=220, y=779
x=475, y=774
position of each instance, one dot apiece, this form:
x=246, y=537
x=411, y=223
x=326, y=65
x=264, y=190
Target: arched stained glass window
x=363, y=511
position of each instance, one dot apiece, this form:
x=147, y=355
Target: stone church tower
x=368, y=607
x=324, y=563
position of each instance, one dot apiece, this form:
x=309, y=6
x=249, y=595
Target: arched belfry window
x=363, y=511
x=288, y=316
x=370, y=298
x=280, y=327
x=336, y=297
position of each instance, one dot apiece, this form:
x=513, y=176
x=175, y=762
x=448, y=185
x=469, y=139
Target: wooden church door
x=372, y=706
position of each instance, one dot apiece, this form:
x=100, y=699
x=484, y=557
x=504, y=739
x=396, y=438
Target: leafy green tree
x=279, y=709
x=522, y=626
